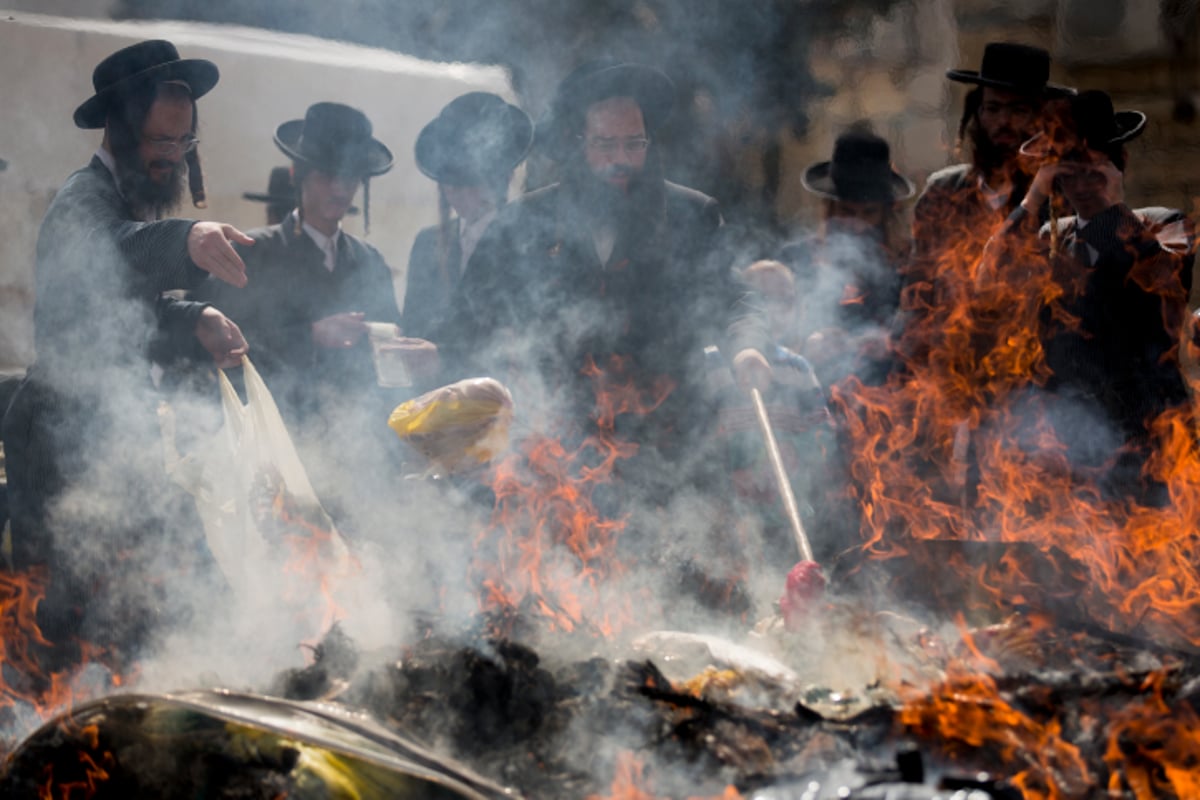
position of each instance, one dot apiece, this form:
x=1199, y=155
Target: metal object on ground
x=226, y=744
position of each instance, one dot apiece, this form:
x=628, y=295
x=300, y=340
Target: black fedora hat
x=151, y=61
x=279, y=192
x=598, y=80
x=860, y=172
x=1099, y=125
x=334, y=138
x=1018, y=68
x=1092, y=120
x=476, y=138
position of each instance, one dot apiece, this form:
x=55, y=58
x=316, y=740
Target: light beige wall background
x=266, y=78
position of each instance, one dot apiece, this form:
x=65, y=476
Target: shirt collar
x=995, y=199
x=321, y=239
x=106, y=158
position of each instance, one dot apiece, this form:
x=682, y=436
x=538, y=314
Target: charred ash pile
x=1030, y=707
x=930, y=668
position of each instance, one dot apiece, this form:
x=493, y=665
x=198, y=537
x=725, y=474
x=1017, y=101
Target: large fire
x=954, y=448
x=28, y=690
x=551, y=551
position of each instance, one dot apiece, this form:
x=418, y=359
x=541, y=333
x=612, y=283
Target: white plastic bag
x=264, y=524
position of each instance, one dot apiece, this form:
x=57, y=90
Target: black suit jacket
x=430, y=285
x=288, y=289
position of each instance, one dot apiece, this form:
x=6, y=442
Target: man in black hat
x=318, y=298
x=85, y=467
x=610, y=266
x=848, y=273
x=313, y=288
x=471, y=149
x=963, y=205
x=1105, y=289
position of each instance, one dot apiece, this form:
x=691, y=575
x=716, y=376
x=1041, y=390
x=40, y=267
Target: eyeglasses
x=165, y=146
x=608, y=147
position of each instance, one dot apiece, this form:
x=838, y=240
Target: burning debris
x=1017, y=617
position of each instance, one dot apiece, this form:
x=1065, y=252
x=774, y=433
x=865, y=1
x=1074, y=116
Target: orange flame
x=552, y=551
x=23, y=679
x=970, y=357
x=629, y=783
x=967, y=716
x=1153, y=747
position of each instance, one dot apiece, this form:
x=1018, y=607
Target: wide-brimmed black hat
x=1093, y=121
x=1099, y=125
x=598, y=80
x=859, y=172
x=476, y=138
x=334, y=138
x=1016, y=67
x=152, y=61
x=280, y=191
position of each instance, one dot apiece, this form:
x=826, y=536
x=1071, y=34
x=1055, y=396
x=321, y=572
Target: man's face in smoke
x=152, y=175
x=858, y=218
x=470, y=202
x=615, y=141
x=1007, y=118
x=326, y=198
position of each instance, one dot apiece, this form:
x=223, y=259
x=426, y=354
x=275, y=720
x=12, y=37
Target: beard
x=632, y=207
x=150, y=199
x=989, y=156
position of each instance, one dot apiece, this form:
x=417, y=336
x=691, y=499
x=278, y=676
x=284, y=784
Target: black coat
x=952, y=223
x=1108, y=318
x=430, y=284
x=288, y=289
x=1130, y=302
x=100, y=278
x=84, y=420
x=537, y=270
x=535, y=298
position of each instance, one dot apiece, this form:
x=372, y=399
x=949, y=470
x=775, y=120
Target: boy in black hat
x=848, y=273
x=85, y=469
x=313, y=291
x=471, y=149
x=963, y=205
x=313, y=287
x=1106, y=291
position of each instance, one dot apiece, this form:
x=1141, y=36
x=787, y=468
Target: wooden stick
x=781, y=478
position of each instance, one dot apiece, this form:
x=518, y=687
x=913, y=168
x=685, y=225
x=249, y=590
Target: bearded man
x=963, y=205
x=612, y=266
x=85, y=462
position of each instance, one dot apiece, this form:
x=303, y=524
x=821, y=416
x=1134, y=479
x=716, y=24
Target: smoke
x=133, y=547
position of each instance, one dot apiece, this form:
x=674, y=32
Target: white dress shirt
x=327, y=244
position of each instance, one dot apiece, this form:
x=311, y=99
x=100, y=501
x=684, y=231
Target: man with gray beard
x=90, y=499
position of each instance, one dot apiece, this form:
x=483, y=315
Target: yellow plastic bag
x=458, y=426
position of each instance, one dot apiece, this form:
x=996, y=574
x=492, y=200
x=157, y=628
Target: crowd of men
x=612, y=270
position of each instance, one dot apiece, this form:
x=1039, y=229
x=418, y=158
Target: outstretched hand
x=210, y=246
